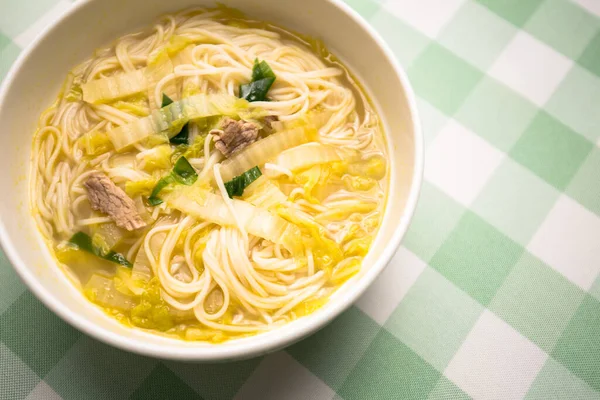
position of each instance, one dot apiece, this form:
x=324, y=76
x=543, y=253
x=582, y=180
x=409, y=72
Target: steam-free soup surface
x=209, y=177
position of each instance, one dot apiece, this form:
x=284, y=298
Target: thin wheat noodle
x=220, y=278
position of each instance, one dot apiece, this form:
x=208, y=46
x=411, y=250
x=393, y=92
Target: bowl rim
x=288, y=334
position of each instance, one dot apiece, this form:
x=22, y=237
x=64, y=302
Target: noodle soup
x=210, y=177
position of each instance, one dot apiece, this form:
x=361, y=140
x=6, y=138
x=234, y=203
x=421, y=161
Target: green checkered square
x=433, y=318
x=556, y=382
x=16, y=378
x=366, y=8
x=551, y=150
x=8, y=54
x=496, y=113
x=537, y=301
x=433, y=206
x=446, y=390
x=476, y=257
x=515, y=11
x=389, y=370
x=575, y=103
x=215, y=381
x=43, y=391
x=590, y=58
x=10, y=284
x=580, y=188
x=476, y=252
x=579, y=347
x=17, y=16
x=350, y=334
x=515, y=201
x=563, y=25
x=404, y=40
x=477, y=35
x=36, y=335
x=595, y=289
x=432, y=120
x=442, y=78
x=92, y=370
x=162, y=384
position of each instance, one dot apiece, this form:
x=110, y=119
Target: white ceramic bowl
x=35, y=79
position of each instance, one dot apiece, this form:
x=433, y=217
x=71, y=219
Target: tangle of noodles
x=192, y=277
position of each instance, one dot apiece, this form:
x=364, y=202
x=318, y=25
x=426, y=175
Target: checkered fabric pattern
x=495, y=293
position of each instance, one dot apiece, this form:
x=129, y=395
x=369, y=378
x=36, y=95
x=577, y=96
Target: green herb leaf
x=236, y=186
x=153, y=200
x=182, y=136
x=261, y=70
x=84, y=242
x=257, y=90
x=183, y=173
x=262, y=79
x=166, y=100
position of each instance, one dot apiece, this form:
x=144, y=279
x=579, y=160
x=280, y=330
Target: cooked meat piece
x=107, y=197
x=269, y=119
x=234, y=135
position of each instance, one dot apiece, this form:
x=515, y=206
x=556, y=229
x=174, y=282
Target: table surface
x=495, y=292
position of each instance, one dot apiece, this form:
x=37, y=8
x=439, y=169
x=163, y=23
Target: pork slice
x=110, y=199
x=269, y=119
x=234, y=135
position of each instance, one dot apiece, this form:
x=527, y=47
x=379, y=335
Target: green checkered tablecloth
x=495, y=293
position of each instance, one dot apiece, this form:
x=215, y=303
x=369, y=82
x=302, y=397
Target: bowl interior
x=35, y=81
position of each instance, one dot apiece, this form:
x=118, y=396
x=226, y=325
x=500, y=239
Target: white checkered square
x=24, y=38
x=495, y=361
x=460, y=162
x=569, y=241
x=428, y=16
x=27, y=36
x=16, y=378
x=43, y=392
x=279, y=376
x=382, y=297
x=592, y=6
x=531, y=68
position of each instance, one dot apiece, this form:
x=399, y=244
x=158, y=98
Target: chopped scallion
x=262, y=79
x=183, y=135
x=183, y=173
x=153, y=200
x=236, y=186
x=166, y=100
x=84, y=242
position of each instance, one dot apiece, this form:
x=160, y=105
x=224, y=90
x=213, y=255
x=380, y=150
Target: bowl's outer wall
x=33, y=84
